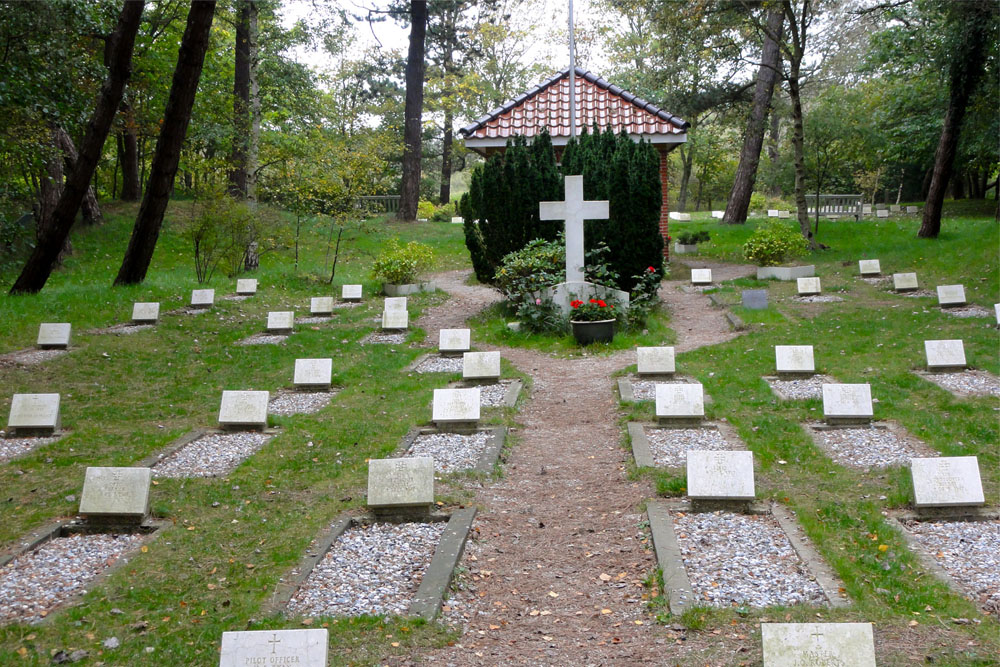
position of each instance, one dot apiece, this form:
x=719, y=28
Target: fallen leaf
x=553, y=594
x=605, y=611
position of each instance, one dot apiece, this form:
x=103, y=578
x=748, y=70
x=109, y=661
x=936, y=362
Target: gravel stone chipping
x=13, y=447
x=371, y=569
x=967, y=550
x=967, y=311
x=299, y=402
x=36, y=582
x=737, y=559
x=976, y=383
x=450, y=451
x=124, y=328
x=326, y=319
x=817, y=298
x=382, y=337
x=878, y=281
x=439, y=364
x=211, y=455
x=866, y=447
x=645, y=390
x=263, y=339
x=29, y=357
x=800, y=388
x=492, y=395
x=670, y=446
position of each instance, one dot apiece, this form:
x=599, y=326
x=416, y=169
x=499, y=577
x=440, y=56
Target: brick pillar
x=664, y=204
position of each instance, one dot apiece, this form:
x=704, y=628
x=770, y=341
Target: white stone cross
x=574, y=210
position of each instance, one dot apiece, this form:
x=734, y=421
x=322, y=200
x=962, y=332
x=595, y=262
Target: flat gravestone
x=847, y=403
x=680, y=217
x=301, y=648
x=280, y=321
x=313, y=373
x=202, y=298
x=321, y=306
x=754, y=299
x=869, y=267
x=680, y=401
x=655, y=360
x=996, y=310
x=350, y=293
x=784, y=214
x=701, y=276
x=808, y=286
x=866, y=209
x=455, y=406
x=34, y=412
x=244, y=409
x=452, y=342
x=772, y=212
x=457, y=220
x=116, y=493
x=481, y=366
x=145, y=312
x=904, y=282
x=54, y=335
x=246, y=286
x=720, y=475
x=950, y=295
x=718, y=214
x=395, y=319
x=945, y=354
x=794, y=359
x=895, y=208
x=946, y=481
x=400, y=483
x=912, y=209
x=881, y=213
x=394, y=303
x=818, y=644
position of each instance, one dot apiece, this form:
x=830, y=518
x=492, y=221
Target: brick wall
x=664, y=207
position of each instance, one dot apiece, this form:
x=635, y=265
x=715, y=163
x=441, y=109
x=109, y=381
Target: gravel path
x=464, y=301
x=450, y=451
x=670, y=446
x=799, y=388
x=299, y=402
x=968, y=311
x=645, y=390
x=36, y=582
x=439, y=364
x=742, y=560
x=967, y=383
x=263, y=339
x=967, y=550
x=692, y=315
x=867, y=447
x=212, y=455
x=371, y=569
x=13, y=447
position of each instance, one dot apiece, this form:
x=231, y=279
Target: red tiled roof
x=547, y=106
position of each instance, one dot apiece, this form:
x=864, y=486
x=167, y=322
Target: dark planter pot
x=602, y=331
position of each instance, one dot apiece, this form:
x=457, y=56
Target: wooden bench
x=835, y=205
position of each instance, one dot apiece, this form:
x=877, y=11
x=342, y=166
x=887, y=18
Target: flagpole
x=572, y=76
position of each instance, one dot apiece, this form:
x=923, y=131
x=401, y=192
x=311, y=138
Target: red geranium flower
x=576, y=304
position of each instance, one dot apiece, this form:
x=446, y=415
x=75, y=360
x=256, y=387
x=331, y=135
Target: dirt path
x=692, y=316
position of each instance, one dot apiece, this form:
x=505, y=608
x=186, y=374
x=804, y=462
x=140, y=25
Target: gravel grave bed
x=211, y=455
x=29, y=357
x=742, y=560
x=973, y=383
x=967, y=550
x=299, y=402
x=866, y=447
x=439, y=364
x=492, y=395
x=817, y=298
x=967, y=311
x=263, y=339
x=450, y=451
x=237, y=297
x=916, y=293
x=670, y=446
x=13, y=447
x=800, y=388
x=381, y=337
x=123, y=328
x=645, y=390
x=195, y=311
x=36, y=582
x=371, y=569
x=878, y=281
x=314, y=320
x=691, y=289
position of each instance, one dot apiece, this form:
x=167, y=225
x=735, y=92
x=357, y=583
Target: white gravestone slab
x=321, y=305
x=718, y=214
x=784, y=214
x=847, y=401
x=481, y=366
x=655, y=360
x=52, y=335
x=944, y=354
x=869, y=267
x=457, y=220
x=264, y=648
x=453, y=406
x=454, y=341
x=202, y=298
x=680, y=217
x=720, y=475
x=881, y=213
x=701, y=276
x=313, y=373
x=246, y=286
x=794, y=359
x=895, y=208
x=395, y=319
x=904, y=282
x=34, y=412
x=818, y=644
x=145, y=312
x=280, y=321
x=807, y=286
x=866, y=209
x=950, y=295
x=116, y=492
x=912, y=209
x=680, y=401
x=946, y=481
x=573, y=210
x=394, y=303
x=772, y=212
x=404, y=482
x=246, y=409
x=996, y=309
x=350, y=293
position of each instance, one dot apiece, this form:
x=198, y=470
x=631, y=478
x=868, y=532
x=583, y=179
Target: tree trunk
x=746, y=172
x=241, y=104
x=190, y=59
x=798, y=144
x=91, y=209
x=128, y=154
x=687, y=161
x=410, y=187
x=957, y=186
x=965, y=70
x=36, y=271
x=773, y=152
x=50, y=187
x=446, y=158
x=253, y=146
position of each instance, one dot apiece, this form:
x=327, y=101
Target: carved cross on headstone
x=274, y=641
x=574, y=210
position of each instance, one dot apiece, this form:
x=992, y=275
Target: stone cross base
x=563, y=293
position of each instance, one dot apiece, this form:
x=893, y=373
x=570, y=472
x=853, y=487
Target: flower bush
x=594, y=310
x=643, y=298
x=399, y=265
x=773, y=243
x=444, y=213
x=425, y=209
